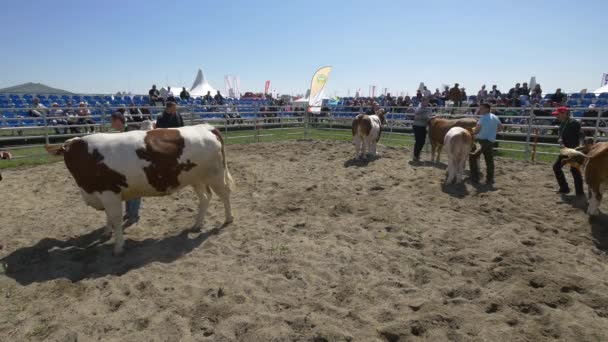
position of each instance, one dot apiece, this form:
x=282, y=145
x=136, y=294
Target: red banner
x=266, y=87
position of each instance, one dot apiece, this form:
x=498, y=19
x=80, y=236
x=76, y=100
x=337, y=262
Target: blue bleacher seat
x=548, y=96
x=603, y=96
x=578, y=114
x=600, y=103
x=575, y=96
x=585, y=103
x=572, y=103
x=589, y=96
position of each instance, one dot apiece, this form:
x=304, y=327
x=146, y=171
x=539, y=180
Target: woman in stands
x=83, y=113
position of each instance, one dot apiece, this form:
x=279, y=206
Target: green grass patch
x=37, y=155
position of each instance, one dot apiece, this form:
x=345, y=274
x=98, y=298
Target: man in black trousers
x=571, y=136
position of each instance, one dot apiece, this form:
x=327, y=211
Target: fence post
x=46, y=127
x=597, y=125
x=102, y=127
x=528, y=134
x=256, y=122
x=191, y=115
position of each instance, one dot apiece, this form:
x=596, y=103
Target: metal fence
x=529, y=131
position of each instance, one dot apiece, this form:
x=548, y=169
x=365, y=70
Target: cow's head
x=573, y=157
x=381, y=114
x=5, y=155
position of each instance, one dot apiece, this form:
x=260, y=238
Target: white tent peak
x=200, y=87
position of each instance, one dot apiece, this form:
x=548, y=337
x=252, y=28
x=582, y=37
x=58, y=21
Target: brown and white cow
x=4, y=155
x=366, y=133
x=439, y=127
x=111, y=168
x=458, y=142
x=594, y=159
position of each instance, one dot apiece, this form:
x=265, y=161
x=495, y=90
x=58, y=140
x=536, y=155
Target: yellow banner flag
x=317, y=87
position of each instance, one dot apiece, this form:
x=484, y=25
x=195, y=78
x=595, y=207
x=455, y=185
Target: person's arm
x=476, y=129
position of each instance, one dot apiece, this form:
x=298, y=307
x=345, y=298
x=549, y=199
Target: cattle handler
x=569, y=135
x=485, y=132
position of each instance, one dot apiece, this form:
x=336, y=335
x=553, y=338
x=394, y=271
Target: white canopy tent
x=600, y=90
x=200, y=87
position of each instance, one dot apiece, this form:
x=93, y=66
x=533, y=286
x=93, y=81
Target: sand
x=322, y=249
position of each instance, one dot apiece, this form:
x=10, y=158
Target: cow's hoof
x=229, y=220
x=196, y=228
x=118, y=253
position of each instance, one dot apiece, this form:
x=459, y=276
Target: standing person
x=455, y=96
x=118, y=122
x=485, y=132
x=170, y=117
x=421, y=120
x=571, y=136
x=482, y=94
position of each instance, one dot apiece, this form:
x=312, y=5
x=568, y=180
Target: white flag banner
x=604, y=79
x=237, y=85
x=228, y=86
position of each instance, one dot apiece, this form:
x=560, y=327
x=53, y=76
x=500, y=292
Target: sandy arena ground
x=322, y=249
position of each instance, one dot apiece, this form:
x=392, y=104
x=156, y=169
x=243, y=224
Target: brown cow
x=595, y=162
x=439, y=127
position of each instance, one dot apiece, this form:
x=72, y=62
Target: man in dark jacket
x=184, y=95
x=570, y=136
x=170, y=117
x=154, y=95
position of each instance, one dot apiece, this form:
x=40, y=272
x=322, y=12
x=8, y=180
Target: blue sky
x=107, y=46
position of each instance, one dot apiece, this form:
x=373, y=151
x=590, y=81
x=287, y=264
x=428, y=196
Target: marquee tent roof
x=200, y=87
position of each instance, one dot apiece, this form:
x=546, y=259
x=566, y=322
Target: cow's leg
x=461, y=166
x=223, y=191
x=358, y=143
x=204, y=197
x=372, y=147
x=365, y=146
x=433, y=146
x=113, y=208
x=451, y=171
x=439, y=147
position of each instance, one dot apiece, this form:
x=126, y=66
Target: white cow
x=458, y=142
x=111, y=168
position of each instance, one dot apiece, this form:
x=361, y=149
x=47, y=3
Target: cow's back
x=439, y=127
x=140, y=163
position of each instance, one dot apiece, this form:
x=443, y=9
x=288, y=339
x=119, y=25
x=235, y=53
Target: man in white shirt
x=38, y=109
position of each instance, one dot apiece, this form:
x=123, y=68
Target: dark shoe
x=130, y=221
x=563, y=191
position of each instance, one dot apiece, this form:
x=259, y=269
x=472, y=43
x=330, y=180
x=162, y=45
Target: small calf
x=366, y=133
x=458, y=142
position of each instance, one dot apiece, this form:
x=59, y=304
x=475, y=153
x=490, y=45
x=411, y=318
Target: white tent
x=200, y=87
x=600, y=90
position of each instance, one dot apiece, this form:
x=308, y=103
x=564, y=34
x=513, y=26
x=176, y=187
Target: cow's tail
x=228, y=180
x=356, y=124
x=476, y=150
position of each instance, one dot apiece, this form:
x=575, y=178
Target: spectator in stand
x=58, y=117
x=155, y=97
x=463, y=94
x=559, y=97
x=170, y=117
x=482, y=94
x=83, y=114
x=437, y=94
x=135, y=113
x=592, y=115
x=426, y=93
x=536, y=95
x=514, y=95
x=495, y=93
x=38, y=109
x=421, y=120
x=208, y=98
x=170, y=95
x=184, y=95
x=445, y=94
x=455, y=96
x=219, y=99
x=569, y=135
x=524, y=90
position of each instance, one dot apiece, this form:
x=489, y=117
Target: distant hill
x=33, y=88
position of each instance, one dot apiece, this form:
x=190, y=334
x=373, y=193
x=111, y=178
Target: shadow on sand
x=455, y=190
x=87, y=256
x=599, y=231
x=360, y=162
